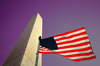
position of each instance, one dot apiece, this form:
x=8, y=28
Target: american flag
x=74, y=45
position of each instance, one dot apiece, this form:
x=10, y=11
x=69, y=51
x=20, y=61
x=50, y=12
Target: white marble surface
x=24, y=51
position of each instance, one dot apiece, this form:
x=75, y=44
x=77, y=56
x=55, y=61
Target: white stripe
x=62, y=40
x=77, y=52
x=79, y=37
x=76, y=32
x=76, y=37
x=74, y=43
x=81, y=57
x=73, y=48
x=44, y=51
x=70, y=34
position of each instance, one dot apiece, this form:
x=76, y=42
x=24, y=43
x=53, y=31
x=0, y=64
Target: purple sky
x=59, y=16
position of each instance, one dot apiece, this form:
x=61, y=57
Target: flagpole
x=37, y=54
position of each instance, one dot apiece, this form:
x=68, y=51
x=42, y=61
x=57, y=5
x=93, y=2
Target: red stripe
x=60, y=52
x=40, y=47
x=77, y=50
x=82, y=33
x=82, y=59
x=79, y=39
x=47, y=52
x=71, y=46
x=81, y=54
x=69, y=32
x=70, y=36
x=44, y=49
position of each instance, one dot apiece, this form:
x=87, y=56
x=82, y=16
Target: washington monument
x=24, y=51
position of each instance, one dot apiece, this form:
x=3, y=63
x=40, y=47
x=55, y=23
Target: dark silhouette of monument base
x=24, y=51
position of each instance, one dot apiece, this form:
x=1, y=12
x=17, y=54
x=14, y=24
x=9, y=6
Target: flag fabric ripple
x=74, y=45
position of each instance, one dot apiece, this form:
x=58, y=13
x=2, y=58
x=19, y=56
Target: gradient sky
x=59, y=16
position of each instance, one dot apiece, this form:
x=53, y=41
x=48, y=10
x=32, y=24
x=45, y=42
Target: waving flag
x=74, y=45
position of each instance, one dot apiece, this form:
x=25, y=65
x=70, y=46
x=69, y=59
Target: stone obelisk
x=24, y=51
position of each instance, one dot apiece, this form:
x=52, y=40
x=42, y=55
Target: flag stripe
x=77, y=45
x=74, y=48
x=69, y=39
x=57, y=37
x=78, y=52
x=83, y=38
x=74, y=45
x=77, y=55
x=81, y=59
x=78, y=34
x=69, y=51
x=45, y=51
x=71, y=36
x=80, y=30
